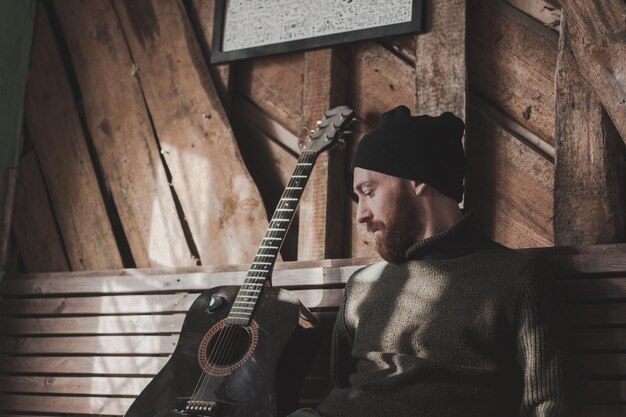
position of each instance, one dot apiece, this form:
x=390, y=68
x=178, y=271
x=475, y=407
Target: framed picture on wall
x=252, y=28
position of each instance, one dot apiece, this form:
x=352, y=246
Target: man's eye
x=368, y=193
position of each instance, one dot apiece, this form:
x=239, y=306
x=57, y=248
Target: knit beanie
x=422, y=148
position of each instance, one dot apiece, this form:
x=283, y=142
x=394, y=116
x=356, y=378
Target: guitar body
x=260, y=377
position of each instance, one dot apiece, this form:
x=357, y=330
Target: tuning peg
x=318, y=123
x=347, y=132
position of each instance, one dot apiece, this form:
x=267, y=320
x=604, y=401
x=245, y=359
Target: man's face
x=389, y=207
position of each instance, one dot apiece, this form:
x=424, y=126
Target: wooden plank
x=201, y=14
x=58, y=138
x=511, y=62
x=35, y=230
x=595, y=410
x=93, y=385
x=83, y=365
x=589, y=197
x=122, y=134
x=170, y=323
x=441, y=75
x=596, y=289
x=380, y=82
x=325, y=85
x=613, y=314
x=585, y=340
x=601, y=365
x=269, y=163
x=604, y=391
x=274, y=84
x=600, y=340
x=547, y=13
x=222, y=206
x=508, y=186
x=291, y=278
x=65, y=404
x=598, y=44
x=92, y=345
x=139, y=304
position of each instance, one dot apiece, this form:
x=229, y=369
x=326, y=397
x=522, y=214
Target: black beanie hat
x=422, y=148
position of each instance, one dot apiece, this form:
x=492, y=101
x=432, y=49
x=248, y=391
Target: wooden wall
x=140, y=153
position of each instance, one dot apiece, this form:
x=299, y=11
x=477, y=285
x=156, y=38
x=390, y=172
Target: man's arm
x=341, y=361
x=541, y=348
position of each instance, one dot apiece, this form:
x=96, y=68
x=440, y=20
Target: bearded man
x=451, y=324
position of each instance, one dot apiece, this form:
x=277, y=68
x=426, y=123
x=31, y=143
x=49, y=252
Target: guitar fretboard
x=265, y=258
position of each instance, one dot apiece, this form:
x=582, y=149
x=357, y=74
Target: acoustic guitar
x=244, y=350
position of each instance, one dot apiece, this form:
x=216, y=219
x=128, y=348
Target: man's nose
x=363, y=214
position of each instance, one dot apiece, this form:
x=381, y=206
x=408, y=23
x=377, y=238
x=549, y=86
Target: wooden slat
x=599, y=47
x=221, y=203
x=59, y=140
x=122, y=134
x=83, y=365
x=598, y=365
x=325, y=85
x=613, y=314
x=600, y=339
x=65, y=404
x=589, y=197
x=599, y=410
x=594, y=289
x=92, y=385
x=35, y=230
x=585, y=340
x=441, y=75
x=71, y=284
x=508, y=186
x=511, y=62
x=98, y=345
x=170, y=323
x=137, y=304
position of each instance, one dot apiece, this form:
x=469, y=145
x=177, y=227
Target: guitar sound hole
x=226, y=347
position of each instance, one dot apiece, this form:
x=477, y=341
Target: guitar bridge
x=205, y=408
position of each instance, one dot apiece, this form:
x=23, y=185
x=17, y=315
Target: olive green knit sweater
x=465, y=327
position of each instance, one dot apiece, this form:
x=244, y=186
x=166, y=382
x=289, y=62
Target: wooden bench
x=87, y=343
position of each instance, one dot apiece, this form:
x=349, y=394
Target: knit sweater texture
x=464, y=327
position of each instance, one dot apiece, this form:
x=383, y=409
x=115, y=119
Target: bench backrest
x=87, y=343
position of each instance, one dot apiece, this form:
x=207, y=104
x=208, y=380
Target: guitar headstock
x=330, y=129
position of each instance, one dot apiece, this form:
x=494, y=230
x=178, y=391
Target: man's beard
x=398, y=234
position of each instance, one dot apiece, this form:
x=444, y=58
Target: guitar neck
x=265, y=258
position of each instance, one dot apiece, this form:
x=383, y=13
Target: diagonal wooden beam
x=589, y=197
x=598, y=43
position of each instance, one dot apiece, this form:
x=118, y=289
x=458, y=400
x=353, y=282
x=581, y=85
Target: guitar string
x=226, y=336
x=207, y=385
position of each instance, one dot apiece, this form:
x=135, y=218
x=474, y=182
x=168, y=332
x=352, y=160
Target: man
x=451, y=324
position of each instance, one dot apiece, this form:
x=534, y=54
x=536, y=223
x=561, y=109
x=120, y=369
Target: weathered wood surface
x=57, y=136
x=508, y=186
x=36, y=233
x=440, y=70
x=219, y=199
x=511, y=62
x=274, y=84
x=597, y=30
x=269, y=163
x=122, y=134
x=325, y=85
x=381, y=81
x=590, y=172
x=548, y=13
x=202, y=15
